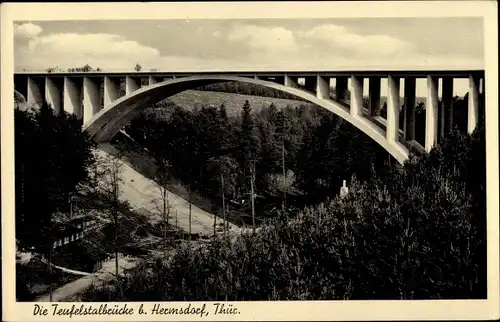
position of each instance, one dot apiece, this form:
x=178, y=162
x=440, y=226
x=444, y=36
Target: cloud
x=270, y=39
x=338, y=37
x=27, y=30
x=99, y=50
x=246, y=48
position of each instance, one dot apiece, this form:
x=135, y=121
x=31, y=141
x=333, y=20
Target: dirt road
x=106, y=273
x=144, y=195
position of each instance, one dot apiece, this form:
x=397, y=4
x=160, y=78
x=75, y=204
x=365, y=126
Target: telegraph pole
x=71, y=207
x=223, y=204
x=284, y=174
x=252, y=179
x=190, y=235
x=283, y=130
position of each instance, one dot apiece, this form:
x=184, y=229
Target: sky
x=256, y=44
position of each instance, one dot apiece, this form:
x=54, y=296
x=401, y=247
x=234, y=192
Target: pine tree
x=248, y=141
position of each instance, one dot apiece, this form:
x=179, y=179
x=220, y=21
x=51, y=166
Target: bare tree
x=176, y=220
x=225, y=169
x=110, y=184
x=163, y=177
x=137, y=67
x=284, y=173
x=189, y=200
x=252, y=183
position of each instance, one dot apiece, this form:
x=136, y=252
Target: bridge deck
x=418, y=71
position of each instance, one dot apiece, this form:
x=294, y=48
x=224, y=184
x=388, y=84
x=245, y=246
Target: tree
x=224, y=131
x=52, y=155
x=52, y=160
x=224, y=170
x=137, y=67
x=35, y=182
x=282, y=134
x=75, y=148
x=162, y=180
x=87, y=68
x=110, y=184
x=269, y=141
x=248, y=140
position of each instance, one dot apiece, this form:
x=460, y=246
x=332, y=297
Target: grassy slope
x=233, y=102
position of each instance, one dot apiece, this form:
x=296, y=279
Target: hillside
x=143, y=195
x=196, y=99
x=418, y=100
x=193, y=98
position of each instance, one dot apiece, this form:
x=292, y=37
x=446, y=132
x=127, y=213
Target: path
x=64, y=269
x=80, y=285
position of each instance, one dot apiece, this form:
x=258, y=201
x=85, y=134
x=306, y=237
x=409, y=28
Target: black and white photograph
x=232, y=159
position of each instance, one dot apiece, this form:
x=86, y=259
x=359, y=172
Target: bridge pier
x=356, y=96
x=446, y=122
x=278, y=79
x=53, y=93
x=322, y=87
x=311, y=84
x=374, y=96
x=152, y=80
x=409, y=108
x=168, y=78
x=291, y=82
x=341, y=88
x=91, y=98
x=392, y=128
x=131, y=85
x=473, y=110
x=35, y=94
x=72, y=98
x=431, y=113
x=111, y=89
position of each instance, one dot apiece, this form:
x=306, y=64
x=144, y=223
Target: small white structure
x=344, y=190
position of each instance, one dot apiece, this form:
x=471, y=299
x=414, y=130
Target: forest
x=416, y=231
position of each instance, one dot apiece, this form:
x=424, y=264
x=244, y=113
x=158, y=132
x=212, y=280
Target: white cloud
x=335, y=36
x=324, y=47
x=264, y=38
x=73, y=50
x=27, y=30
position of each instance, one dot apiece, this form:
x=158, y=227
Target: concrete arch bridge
x=96, y=97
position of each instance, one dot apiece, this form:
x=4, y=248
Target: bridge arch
x=106, y=123
x=20, y=97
